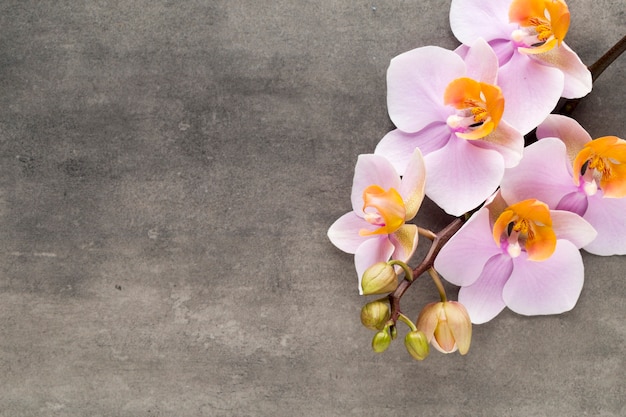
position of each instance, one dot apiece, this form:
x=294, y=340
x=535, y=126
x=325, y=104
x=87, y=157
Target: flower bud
x=447, y=326
x=381, y=341
x=380, y=278
x=416, y=343
x=376, y=314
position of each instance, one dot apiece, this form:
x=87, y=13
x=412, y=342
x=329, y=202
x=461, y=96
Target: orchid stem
x=442, y=291
x=607, y=59
x=441, y=238
x=408, y=272
x=407, y=321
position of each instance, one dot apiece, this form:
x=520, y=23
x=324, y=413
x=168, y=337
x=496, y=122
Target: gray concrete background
x=169, y=170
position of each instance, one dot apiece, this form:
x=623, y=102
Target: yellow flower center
x=479, y=107
x=543, y=24
x=602, y=162
x=526, y=225
x=384, y=209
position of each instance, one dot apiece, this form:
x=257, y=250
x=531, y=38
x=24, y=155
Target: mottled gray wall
x=168, y=173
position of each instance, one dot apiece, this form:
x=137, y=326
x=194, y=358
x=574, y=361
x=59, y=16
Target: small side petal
x=483, y=299
x=404, y=241
x=606, y=215
x=572, y=227
x=462, y=259
x=377, y=249
x=549, y=287
x=568, y=130
x=577, y=76
x=370, y=170
x=344, y=232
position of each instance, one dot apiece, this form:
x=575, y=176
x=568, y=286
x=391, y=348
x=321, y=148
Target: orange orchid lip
x=384, y=209
x=528, y=224
x=603, y=160
x=479, y=107
x=543, y=24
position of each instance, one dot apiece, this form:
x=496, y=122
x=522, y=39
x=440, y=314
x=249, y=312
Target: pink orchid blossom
x=597, y=191
x=522, y=256
x=382, y=202
x=536, y=65
x=451, y=108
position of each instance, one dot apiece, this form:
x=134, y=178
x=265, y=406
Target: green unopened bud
x=416, y=343
x=376, y=314
x=379, y=278
x=381, y=341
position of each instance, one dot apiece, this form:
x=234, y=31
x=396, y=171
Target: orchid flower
x=451, y=108
x=536, y=65
x=569, y=171
x=523, y=256
x=375, y=230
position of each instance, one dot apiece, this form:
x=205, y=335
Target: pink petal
x=542, y=174
x=371, y=169
x=416, y=82
x=504, y=49
x=413, y=184
x=577, y=76
x=404, y=241
x=377, y=249
x=575, y=202
x=549, y=287
x=567, y=130
x=507, y=141
x=607, y=216
x=531, y=91
x=462, y=259
x=481, y=62
x=398, y=146
x=461, y=176
x=487, y=19
x=344, y=232
x=572, y=227
x=483, y=299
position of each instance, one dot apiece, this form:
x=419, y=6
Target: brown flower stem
x=439, y=240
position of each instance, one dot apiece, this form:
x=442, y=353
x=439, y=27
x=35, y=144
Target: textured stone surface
x=168, y=173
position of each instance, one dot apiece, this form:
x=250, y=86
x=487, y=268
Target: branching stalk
x=439, y=240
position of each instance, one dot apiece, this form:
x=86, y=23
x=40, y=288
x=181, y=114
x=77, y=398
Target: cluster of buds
x=445, y=324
